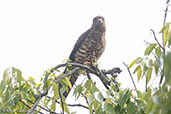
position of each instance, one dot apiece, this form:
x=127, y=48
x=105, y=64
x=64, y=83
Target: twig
x=24, y=103
x=29, y=106
x=87, y=102
x=157, y=40
x=65, y=75
x=72, y=105
x=42, y=107
x=165, y=15
x=31, y=111
x=130, y=75
x=164, y=22
x=146, y=84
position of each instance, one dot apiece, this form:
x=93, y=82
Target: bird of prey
x=89, y=46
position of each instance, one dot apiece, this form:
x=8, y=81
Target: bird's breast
x=91, y=49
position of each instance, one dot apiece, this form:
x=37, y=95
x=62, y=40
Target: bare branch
x=165, y=15
x=157, y=40
x=130, y=75
x=164, y=22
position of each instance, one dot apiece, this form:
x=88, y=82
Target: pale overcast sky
x=38, y=34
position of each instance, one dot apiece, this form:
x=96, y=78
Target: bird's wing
x=77, y=45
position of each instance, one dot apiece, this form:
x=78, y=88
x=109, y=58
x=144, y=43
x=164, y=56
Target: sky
x=38, y=34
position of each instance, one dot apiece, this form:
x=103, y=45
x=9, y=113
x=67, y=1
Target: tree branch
x=130, y=75
x=78, y=66
x=72, y=105
x=45, y=91
x=28, y=106
x=164, y=22
x=157, y=40
x=43, y=107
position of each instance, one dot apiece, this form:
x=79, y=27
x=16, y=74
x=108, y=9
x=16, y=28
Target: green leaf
x=156, y=100
x=31, y=78
x=156, y=65
x=139, y=60
x=16, y=73
x=124, y=96
x=144, y=68
x=158, y=52
x=165, y=33
x=6, y=76
x=53, y=105
x=106, y=93
x=150, y=63
x=78, y=90
x=98, y=96
x=90, y=99
x=11, y=103
x=7, y=96
x=169, y=38
x=97, y=107
x=149, y=49
x=149, y=106
x=109, y=108
x=139, y=95
x=133, y=62
x=56, y=90
x=147, y=95
x=149, y=72
x=167, y=66
x=90, y=108
x=164, y=27
x=136, y=69
x=66, y=109
x=90, y=86
x=66, y=81
x=139, y=72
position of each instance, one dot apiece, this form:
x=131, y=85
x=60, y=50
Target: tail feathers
x=73, y=78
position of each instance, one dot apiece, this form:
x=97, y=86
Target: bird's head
x=99, y=24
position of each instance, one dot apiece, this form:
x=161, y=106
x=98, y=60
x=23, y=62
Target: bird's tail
x=72, y=78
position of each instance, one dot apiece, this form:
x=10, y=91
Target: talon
x=87, y=63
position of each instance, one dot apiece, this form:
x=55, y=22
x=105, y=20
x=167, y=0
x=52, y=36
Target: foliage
x=157, y=60
x=20, y=95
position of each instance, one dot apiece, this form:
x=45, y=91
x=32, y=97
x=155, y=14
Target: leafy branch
x=78, y=66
